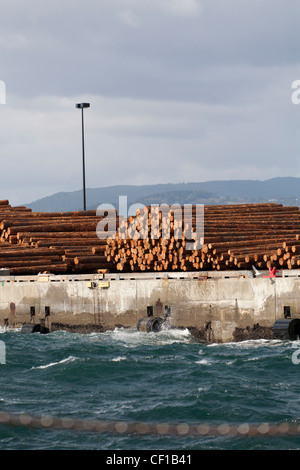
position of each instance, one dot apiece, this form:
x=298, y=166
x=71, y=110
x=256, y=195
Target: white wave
x=118, y=359
x=251, y=343
x=203, y=389
x=206, y=362
x=251, y=359
x=51, y=364
x=5, y=329
x=131, y=337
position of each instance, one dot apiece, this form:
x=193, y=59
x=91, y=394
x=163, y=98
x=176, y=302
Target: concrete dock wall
x=214, y=304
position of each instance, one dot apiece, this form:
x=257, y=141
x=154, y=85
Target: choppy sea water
x=129, y=376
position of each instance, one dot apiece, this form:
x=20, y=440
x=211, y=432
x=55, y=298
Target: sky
x=179, y=91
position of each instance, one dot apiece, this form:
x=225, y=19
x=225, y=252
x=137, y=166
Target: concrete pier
x=215, y=306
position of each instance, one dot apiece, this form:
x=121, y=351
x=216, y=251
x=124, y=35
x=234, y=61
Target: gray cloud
x=180, y=90
x=138, y=49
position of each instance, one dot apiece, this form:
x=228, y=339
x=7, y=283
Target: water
x=164, y=377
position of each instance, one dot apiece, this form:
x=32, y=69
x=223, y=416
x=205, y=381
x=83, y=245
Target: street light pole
x=82, y=106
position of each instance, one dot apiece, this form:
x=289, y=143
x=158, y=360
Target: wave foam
x=118, y=359
x=51, y=364
x=166, y=336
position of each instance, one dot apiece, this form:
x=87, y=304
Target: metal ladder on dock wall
x=98, y=312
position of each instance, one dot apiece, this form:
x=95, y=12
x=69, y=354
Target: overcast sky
x=180, y=91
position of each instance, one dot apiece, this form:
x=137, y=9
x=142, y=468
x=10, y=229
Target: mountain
x=283, y=190
x=66, y=201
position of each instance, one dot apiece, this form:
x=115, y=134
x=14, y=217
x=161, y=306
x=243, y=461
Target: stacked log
x=235, y=237
x=58, y=242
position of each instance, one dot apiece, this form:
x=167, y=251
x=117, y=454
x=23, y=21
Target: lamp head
x=82, y=105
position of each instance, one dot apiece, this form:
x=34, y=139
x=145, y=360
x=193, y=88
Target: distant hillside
x=182, y=197
x=284, y=190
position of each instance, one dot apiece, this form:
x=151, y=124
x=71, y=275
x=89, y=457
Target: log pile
x=58, y=243
x=236, y=237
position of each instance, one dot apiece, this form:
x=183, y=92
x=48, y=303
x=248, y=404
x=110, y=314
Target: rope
x=122, y=427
